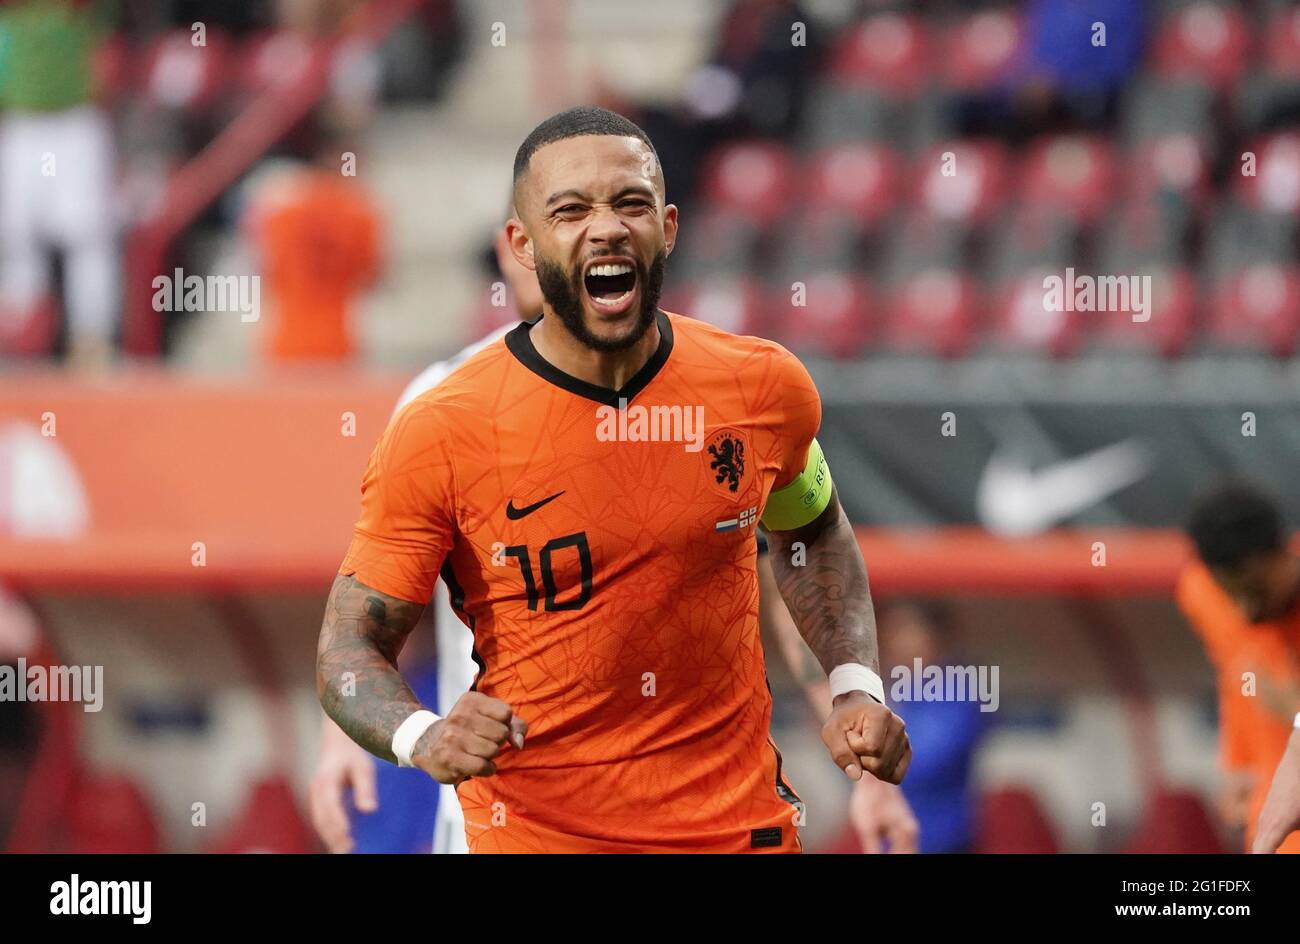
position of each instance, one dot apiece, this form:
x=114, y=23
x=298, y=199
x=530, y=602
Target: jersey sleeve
x=407, y=522
x=801, y=416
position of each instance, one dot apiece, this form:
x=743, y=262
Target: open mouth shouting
x=610, y=284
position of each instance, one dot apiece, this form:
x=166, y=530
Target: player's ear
x=520, y=244
x=670, y=227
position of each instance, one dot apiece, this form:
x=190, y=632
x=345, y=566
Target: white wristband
x=1297, y=720
x=854, y=677
x=410, y=731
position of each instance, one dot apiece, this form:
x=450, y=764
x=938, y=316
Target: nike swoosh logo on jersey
x=514, y=514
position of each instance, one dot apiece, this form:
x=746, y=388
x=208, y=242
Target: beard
x=563, y=292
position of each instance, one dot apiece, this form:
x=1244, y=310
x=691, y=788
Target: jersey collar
x=520, y=344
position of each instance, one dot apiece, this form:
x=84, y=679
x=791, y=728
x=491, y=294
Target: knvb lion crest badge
x=727, y=454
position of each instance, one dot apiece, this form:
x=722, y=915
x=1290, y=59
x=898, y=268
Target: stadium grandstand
x=282, y=212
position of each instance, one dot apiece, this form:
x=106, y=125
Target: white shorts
x=56, y=177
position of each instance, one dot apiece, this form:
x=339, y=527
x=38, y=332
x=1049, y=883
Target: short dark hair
x=1234, y=522
x=574, y=123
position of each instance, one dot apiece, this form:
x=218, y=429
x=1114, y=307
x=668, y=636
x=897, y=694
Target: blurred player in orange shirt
x=318, y=234
x=1242, y=596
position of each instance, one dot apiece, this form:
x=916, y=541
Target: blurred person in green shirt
x=56, y=174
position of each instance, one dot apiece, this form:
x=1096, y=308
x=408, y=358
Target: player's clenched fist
x=463, y=744
x=863, y=734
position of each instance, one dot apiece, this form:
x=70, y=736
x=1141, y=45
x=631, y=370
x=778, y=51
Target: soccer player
x=1242, y=596
x=589, y=487
x=880, y=813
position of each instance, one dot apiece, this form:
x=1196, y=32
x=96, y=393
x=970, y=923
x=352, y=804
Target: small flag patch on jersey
x=744, y=521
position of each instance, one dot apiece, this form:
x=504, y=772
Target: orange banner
x=149, y=479
x=155, y=477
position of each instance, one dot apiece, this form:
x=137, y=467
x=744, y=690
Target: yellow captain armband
x=800, y=502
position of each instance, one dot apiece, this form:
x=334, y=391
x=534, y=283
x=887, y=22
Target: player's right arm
x=356, y=663
x=406, y=528
x=361, y=689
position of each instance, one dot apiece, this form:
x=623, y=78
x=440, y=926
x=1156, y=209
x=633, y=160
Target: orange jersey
x=604, y=559
x=1252, y=738
x=319, y=238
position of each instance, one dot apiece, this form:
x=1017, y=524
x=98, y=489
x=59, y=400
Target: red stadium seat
x=30, y=333
x=835, y=320
x=863, y=179
x=933, y=313
x=1172, y=164
x=815, y=239
x=113, y=69
x=180, y=75
x=920, y=241
x=1258, y=309
x=889, y=52
x=1026, y=238
x=1282, y=52
x=981, y=50
x=1150, y=233
x=270, y=821
x=272, y=58
x=1176, y=822
x=1025, y=324
x=735, y=304
x=752, y=178
x=1275, y=185
x=1204, y=40
x=718, y=241
x=110, y=814
x=1012, y=821
x=1172, y=315
x=1073, y=175
x=968, y=187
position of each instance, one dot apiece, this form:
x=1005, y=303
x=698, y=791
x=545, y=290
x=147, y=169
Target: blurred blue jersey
x=408, y=797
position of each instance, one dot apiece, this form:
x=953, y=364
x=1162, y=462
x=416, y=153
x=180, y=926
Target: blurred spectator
x=1076, y=60
x=945, y=733
x=753, y=85
x=318, y=234
x=1242, y=597
x=56, y=178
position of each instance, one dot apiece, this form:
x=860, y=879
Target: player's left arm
x=822, y=578
x=880, y=814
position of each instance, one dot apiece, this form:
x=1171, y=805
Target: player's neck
x=609, y=369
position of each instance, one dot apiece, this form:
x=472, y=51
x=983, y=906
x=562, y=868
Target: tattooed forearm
x=825, y=589
x=356, y=663
x=780, y=633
